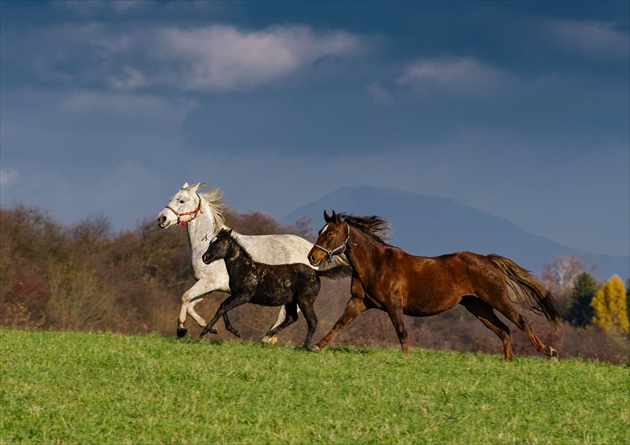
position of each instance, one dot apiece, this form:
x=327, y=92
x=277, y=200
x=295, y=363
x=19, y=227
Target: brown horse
x=388, y=278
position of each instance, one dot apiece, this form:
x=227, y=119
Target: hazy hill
x=430, y=225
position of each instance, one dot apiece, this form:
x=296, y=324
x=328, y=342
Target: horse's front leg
x=228, y=304
x=354, y=307
x=311, y=321
x=201, y=322
x=190, y=298
x=395, y=312
x=229, y=326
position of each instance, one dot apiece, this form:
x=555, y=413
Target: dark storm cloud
x=478, y=101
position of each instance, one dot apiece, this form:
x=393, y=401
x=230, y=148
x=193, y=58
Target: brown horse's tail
x=528, y=292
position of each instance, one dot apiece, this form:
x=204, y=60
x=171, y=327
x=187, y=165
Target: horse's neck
x=360, y=251
x=237, y=259
x=200, y=231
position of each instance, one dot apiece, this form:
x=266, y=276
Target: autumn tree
x=579, y=310
x=610, y=306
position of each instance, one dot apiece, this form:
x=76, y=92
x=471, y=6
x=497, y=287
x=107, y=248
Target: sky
x=519, y=109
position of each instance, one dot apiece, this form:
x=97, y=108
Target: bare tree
x=560, y=273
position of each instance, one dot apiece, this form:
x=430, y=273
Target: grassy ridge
x=58, y=387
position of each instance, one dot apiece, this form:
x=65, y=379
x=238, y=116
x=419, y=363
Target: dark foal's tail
x=335, y=273
x=529, y=293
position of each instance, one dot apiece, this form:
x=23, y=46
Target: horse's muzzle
x=161, y=221
x=313, y=261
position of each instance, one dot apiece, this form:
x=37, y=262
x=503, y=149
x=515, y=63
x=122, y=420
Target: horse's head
x=182, y=208
x=331, y=240
x=218, y=247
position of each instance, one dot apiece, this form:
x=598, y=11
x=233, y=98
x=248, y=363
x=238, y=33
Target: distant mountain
x=429, y=225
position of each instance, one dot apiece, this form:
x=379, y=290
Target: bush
x=85, y=278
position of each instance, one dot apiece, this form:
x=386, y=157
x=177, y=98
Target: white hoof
x=269, y=340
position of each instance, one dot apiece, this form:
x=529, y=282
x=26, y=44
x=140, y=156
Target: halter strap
x=343, y=246
x=179, y=215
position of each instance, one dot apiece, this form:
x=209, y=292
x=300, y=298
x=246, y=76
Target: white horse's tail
x=335, y=273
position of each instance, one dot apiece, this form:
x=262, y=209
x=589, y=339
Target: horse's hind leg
x=311, y=321
x=281, y=317
x=520, y=321
x=291, y=317
x=484, y=312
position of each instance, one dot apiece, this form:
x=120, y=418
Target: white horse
x=201, y=214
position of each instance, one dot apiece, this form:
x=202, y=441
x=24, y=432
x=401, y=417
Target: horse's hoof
x=205, y=332
x=314, y=348
x=553, y=354
x=269, y=340
x=181, y=332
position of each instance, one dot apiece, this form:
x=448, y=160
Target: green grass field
x=78, y=388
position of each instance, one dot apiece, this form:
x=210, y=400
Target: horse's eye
x=329, y=234
x=181, y=201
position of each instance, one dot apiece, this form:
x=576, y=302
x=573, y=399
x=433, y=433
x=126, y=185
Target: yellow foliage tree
x=610, y=306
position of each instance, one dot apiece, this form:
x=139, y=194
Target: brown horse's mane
x=377, y=228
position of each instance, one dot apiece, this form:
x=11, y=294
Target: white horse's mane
x=214, y=198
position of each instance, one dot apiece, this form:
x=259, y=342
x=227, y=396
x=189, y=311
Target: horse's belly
x=422, y=306
x=415, y=312
x=275, y=297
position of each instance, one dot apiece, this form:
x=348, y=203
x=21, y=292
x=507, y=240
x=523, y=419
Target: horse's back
x=292, y=274
x=435, y=284
x=280, y=284
x=276, y=249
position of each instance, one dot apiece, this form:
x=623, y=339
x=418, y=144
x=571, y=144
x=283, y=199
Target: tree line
x=86, y=276
x=584, y=301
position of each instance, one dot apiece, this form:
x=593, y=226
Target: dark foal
x=388, y=278
x=291, y=285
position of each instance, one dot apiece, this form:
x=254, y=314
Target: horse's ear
x=327, y=217
x=185, y=185
x=335, y=217
x=193, y=188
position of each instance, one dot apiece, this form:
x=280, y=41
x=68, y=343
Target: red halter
x=179, y=215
